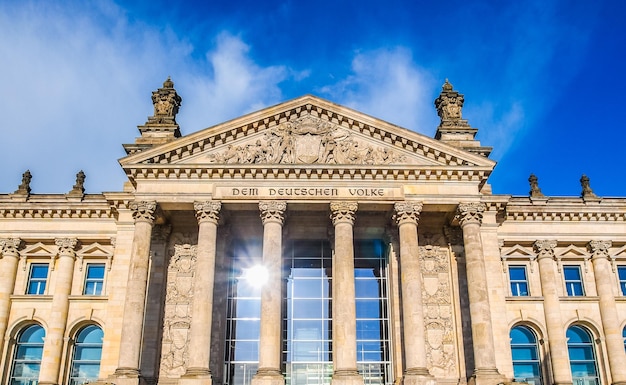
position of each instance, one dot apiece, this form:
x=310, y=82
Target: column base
x=418, y=376
x=346, y=377
x=125, y=376
x=266, y=376
x=487, y=377
x=196, y=376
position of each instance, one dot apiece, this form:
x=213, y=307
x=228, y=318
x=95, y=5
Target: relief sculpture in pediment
x=307, y=140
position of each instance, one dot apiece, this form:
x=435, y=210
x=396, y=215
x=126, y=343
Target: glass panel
x=39, y=271
x=308, y=308
x=526, y=365
x=27, y=356
x=248, y=308
x=247, y=329
x=572, y=273
x=582, y=356
x=517, y=273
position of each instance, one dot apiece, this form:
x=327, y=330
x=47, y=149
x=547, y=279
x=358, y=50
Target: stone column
x=343, y=303
x=416, y=371
x=557, y=343
x=198, y=371
x=9, y=258
x=605, y=280
x=270, y=348
x=470, y=217
x=53, y=345
x=127, y=372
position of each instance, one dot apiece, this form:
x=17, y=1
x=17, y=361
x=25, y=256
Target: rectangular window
x=518, y=280
x=94, y=279
x=573, y=281
x=621, y=272
x=37, y=279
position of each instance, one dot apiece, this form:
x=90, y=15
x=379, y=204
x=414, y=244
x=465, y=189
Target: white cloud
x=387, y=84
x=78, y=80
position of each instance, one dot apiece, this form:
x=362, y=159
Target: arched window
x=624, y=336
x=27, y=357
x=582, y=357
x=86, y=357
x=526, y=365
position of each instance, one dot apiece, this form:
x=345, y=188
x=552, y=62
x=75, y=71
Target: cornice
x=57, y=206
x=566, y=209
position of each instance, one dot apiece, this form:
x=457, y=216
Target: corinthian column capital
x=600, y=249
x=471, y=212
x=208, y=211
x=407, y=212
x=10, y=246
x=273, y=211
x=66, y=246
x=544, y=248
x=343, y=212
x=143, y=211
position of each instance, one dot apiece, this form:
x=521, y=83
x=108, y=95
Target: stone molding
x=273, y=211
x=207, y=211
x=10, y=247
x=37, y=211
x=470, y=213
x=600, y=249
x=545, y=248
x=143, y=211
x=407, y=212
x=343, y=212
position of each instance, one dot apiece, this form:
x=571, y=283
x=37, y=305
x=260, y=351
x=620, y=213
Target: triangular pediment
x=307, y=132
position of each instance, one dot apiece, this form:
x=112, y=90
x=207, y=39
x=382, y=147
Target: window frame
x=591, y=345
x=622, y=282
x=517, y=283
x=528, y=345
x=574, y=283
x=27, y=360
x=95, y=281
x=39, y=281
x=74, y=361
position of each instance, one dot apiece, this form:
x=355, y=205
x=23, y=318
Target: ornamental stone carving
x=177, y=318
x=207, y=211
x=24, y=187
x=449, y=105
x=166, y=104
x=545, y=248
x=438, y=312
x=66, y=246
x=343, y=212
x=79, y=187
x=307, y=140
x=143, y=211
x=586, y=192
x=600, y=249
x=535, y=191
x=10, y=246
x=272, y=211
x=468, y=213
x=407, y=212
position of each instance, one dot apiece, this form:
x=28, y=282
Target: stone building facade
x=308, y=243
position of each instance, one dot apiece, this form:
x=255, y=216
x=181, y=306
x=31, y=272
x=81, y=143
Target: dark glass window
x=621, y=272
x=27, y=357
x=573, y=281
x=37, y=278
x=86, y=359
x=582, y=357
x=94, y=279
x=518, y=281
x=526, y=365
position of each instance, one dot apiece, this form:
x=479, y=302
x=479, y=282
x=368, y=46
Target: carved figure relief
x=437, y=300
x=307, y=140
x=177, y=318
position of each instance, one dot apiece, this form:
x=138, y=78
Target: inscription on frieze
x=301, y=192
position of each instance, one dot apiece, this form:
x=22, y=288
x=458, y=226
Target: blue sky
x=542, y=80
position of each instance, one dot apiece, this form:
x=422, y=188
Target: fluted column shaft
x=270, y=352
x=343, y=304
x=470, y=217
x=557, y=342
x=53, y=345
x=605, y=280
x=407, y=216
x=9, y=258
x=198, y=371
x=136, y=288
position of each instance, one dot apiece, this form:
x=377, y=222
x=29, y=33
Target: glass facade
x=582, y=356
x=86, y=358
x=518, y=281
x=526, y=365
x=307, y=313
x=27, y=357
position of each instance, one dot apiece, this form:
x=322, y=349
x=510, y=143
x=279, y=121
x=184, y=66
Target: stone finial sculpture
x=24, y=187
x=587, y=192
x=79, y=187
x=535, y=191
x=449, y=106
x=166, y=103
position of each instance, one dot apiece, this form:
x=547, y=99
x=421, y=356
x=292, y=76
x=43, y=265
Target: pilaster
x=9, y=258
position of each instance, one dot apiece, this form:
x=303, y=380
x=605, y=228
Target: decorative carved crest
x=467, y=213
x=407, y=212
x=24, y=187
x=143, y=210
x=272, y=211
x=343, y=212
x=449, y=106
x=10, y=246
x=307, y=140
x=600, y=249
x=166, y=103
x=207, y=211
x=545, y=248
